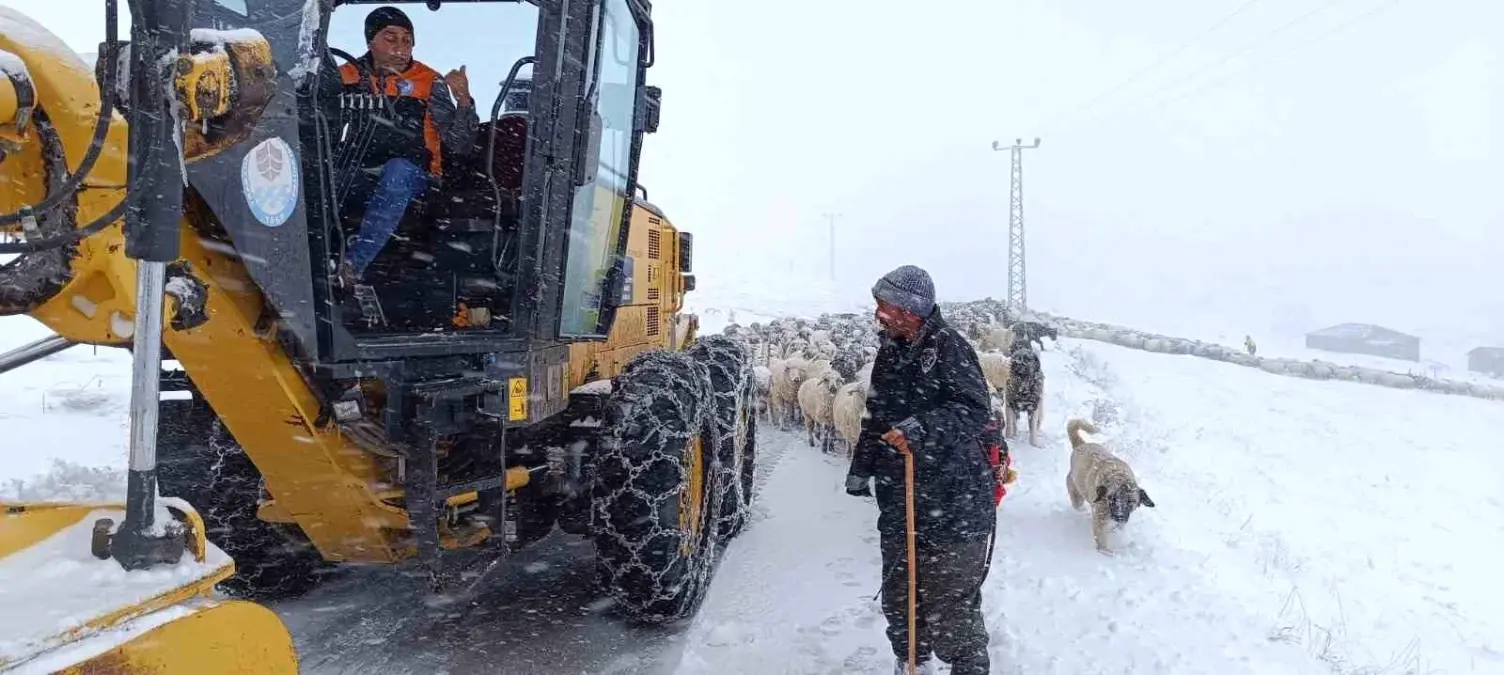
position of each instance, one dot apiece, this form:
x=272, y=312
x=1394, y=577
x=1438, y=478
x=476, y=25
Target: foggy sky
x=1330, y=176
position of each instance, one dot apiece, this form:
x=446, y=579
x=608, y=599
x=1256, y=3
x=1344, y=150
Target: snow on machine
x=515, y=360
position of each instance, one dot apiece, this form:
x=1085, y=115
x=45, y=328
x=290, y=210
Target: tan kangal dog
x=1105, y=479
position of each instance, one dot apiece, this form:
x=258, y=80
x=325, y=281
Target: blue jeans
x=386, y=199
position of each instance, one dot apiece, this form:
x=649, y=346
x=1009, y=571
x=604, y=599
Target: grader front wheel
x=731, y=380
x=655, y=497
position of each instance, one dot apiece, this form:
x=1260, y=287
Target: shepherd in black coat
x=929, y=398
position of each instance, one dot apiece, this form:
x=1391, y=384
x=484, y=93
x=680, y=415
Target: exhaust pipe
x=34, y=351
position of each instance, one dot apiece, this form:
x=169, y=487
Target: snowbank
x=1362, y=522
x=66, y=421
x=1315, y=369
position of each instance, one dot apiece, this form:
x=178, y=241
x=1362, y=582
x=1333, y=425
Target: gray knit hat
x=909, y=288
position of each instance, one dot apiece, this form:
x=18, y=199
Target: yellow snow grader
x=514, y=361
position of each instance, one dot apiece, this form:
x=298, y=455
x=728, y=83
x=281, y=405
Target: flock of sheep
x=816, y=373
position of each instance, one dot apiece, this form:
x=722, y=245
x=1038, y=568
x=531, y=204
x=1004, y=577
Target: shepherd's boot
x=901, y=667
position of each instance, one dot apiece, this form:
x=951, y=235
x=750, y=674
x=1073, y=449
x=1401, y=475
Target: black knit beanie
x=381, y=17
x=908, y=287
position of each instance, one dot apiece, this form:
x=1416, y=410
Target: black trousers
x=949, y=618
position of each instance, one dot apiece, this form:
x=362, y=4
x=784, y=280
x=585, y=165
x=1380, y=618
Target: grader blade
x=68, y=611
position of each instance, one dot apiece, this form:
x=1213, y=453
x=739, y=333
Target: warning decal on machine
x=517, y=399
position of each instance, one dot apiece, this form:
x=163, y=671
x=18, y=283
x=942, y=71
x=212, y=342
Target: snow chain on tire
x=660, y=406
x=731, y=379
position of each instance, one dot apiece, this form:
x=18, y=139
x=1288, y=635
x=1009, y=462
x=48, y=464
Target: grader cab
x=516, y=358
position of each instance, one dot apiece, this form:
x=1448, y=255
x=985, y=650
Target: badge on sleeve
x=927, y=360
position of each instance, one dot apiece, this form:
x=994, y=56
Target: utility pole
x=832, y=218
x=1018, y=289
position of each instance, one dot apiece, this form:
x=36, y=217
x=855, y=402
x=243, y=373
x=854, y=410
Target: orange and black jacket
x=426, y=116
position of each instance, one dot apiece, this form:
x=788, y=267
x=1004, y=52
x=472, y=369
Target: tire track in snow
x=794, y=594
x=542, y=615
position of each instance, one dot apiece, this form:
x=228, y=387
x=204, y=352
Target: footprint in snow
x=860, y=660
x=725, y=635
x=834, y=625
x=841, y=567
x=867, y=620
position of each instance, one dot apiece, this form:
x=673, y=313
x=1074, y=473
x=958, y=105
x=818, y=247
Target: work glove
x=859, y=486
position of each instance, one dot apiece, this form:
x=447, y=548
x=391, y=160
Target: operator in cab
x=406, y=155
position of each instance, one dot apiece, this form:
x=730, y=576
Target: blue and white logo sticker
x=269, y=180
x=404, y=86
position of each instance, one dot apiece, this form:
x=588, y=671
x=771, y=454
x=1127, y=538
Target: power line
x=1325, y=35
x=1196, y=75
x=1163, y=59
x=1239, y=52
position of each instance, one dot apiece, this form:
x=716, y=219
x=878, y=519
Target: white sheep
x=762, y=378
x=996, y=340
x=847, y=409
x=996, y=368
x=783, y=391
x=816, y=394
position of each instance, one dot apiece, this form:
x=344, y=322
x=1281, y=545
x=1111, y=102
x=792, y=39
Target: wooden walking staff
x=896, y=439
x=908, y=498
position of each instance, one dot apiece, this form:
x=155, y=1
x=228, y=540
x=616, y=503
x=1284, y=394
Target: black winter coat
x=932, y=389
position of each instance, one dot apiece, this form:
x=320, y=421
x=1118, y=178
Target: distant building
x=1360, y=338
x=1487, y=360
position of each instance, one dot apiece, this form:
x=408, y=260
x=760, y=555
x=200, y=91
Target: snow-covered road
x=543, y=614
x=1302, y=527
